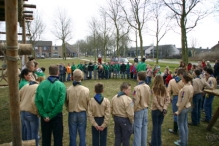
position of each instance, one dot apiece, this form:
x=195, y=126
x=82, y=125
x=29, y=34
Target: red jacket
x=168, y=78
x=203, y=64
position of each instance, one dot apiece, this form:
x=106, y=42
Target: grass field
x=198, y=136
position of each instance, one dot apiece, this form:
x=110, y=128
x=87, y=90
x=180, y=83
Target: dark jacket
x=123, y=68
x=90, y=67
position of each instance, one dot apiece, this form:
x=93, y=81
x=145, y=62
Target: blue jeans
x=157, y=120
x=90, y=74
x=128, y=74
x=148, y=80
x=61, y=78
x=77, y=122
x=208, y=106
x=99, y=138
x=122, y=75
x=116, y=73
x=183, y=127
x=174, y=107
x=140, y=127
x=95, y=74
x=106, y=74
x=31, y=123
x=122, y=130
x=69, y=77
x=196, y=110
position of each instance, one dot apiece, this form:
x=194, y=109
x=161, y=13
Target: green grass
x=197, y=135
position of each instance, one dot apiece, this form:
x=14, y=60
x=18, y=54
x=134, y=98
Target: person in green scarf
x=25, y=78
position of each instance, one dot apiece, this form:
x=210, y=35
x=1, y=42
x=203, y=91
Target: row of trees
x=118, y=19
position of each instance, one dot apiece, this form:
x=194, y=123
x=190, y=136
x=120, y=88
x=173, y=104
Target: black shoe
x=204, y=120
x=192, y=124
x=172, y=131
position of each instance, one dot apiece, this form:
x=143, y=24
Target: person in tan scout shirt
x=99, y=114
x=123, y=114
x=77, y=105
x=173, y=88
x=141, y=96
x=159, y=107
x=184, y=105
x=209, y=98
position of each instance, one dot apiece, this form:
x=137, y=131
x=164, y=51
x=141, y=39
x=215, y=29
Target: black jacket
x=90, y=67
x=123, y=68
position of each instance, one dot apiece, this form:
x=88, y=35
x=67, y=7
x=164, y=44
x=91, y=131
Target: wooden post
x=11, y=18
x=213, y=120
x=24, y=36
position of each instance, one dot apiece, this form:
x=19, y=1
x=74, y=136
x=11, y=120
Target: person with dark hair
x=49, y=100
x=161, y=100
x=25, y=78
x=141, y=96
x=77, y=106
x=209, y=97
x=174, y=87
x=198, y=86
x=99, y=114
x=123, y=115
x=184, y=105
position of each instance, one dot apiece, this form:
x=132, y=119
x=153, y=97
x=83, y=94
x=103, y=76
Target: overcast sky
x=81, y=11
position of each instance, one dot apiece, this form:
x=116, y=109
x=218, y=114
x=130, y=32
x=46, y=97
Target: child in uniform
x=77, y=105
x=123, y=115
x=159, y=107
x=99, y=114
x=141, y=98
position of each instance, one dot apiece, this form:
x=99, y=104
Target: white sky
x=81, y=11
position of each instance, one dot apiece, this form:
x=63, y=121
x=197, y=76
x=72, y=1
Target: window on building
x=35, y=48
x=55, y=48
x=45, y=48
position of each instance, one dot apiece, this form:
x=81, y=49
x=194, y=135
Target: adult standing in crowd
x=49, y=100
x=216, y=70
x=209, y=97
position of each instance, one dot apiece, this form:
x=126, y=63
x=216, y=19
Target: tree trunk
x=136, y=43
x=157, y=53
x=183, y=31
x=141, y=42
x=63, y=50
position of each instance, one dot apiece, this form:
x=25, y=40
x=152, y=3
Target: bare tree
x=105, y=30
x=35, y=28
x=94, y=32
x=187, y=14
x=137, y=17
x=114, y=12
x=62, y=28
x=193, y=44
x=161, y=23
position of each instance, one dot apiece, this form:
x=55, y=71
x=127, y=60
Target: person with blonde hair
x=77, y=105
x=161, y=100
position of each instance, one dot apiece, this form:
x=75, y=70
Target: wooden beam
x=11, y=17
x=213, y=120
x=29, y=6
x=26, y=15
x=17, y=33
x=28, y=12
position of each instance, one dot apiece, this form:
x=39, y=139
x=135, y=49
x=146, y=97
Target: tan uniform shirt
x=77, y=98
x=99, y=110
x=160, y=102
x=184, y=97
x=212, y=82
x=27, y=96
x=123, y=107
x=141, y=96
x=199, y=84
x=174, y=87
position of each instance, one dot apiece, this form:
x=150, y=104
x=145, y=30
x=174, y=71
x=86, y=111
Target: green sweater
x=22, y=83
x=141, y=67
x=73, y=67
x=50, y=97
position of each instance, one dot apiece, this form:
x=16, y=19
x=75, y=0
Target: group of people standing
x=129, y=111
